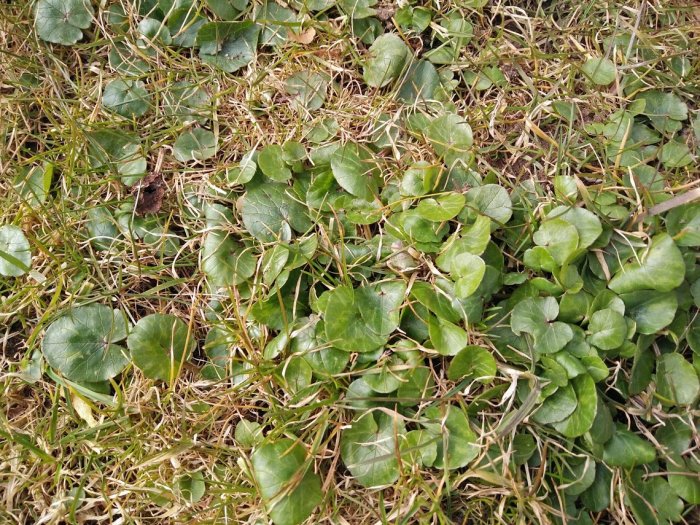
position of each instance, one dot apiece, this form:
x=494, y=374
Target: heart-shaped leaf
x=607, y=329
x=536, y=316
x=362, y=319
x=228, y=45
x=82, y=343
x=387, y=59
x=474, y=363
x=457, y=444
x=15, y=252
x=117, y=150
x=288, y=485
x=369, y=448
x=355, y=170
x=271, y=211
x=676, y=380
x=660, y=268
x=159, y=345
x=224, y=261
x=61, y=21
x=307, y=90
x=600, y=71
x=127, y=98
x=195, y=144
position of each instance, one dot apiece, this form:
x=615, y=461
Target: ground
x=142, y=202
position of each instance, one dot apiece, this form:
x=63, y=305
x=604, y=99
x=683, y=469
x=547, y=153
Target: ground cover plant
x=349, y=261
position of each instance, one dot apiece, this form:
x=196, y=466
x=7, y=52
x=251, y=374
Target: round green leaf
x=271, y=162
x=607, y=329
x=600, y=71
x=651, y=310
x=15, y=252
x=490, y=200
x=368, y=448
x=187, y=102
x=271, y=211
x=127, y=98
x=224, y=261
x=442, y=208
x=676, y=380
x=581, y=420
x=557, y=407
x=61, y=21
x=660, y=268
x=683, y=223
x=675, y=154
x=419, y=447
x=456, y=440
x=627, y=449
x=228, y=45
x=450, y=134
x=447, y=338
x=559, y=238
x=474, y=363
x=307, y=90
x=536, y=316
x=195, y=144
x=387, y=59
x=587, y=223
x=288, y=485
x=355, y=170
x=117, y=150
x=362, y=319
x=81, y=344
x=159, y=345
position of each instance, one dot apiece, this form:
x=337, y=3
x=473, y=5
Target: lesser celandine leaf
x=289, y=487
x=127, y=98
x=369, y=448
x=660, y=268
x=676, y=380
x=355, y=170
x=457, y=444
x=195, y=144
x=627, y=449
x=600, y=71
x=160, y=344
x=61, y=21
x=473, y=362
x=83, y=343
x=271, y=212
x=15, y=252
x=388, y=56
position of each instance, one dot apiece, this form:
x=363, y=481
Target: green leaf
x=490, y=200
x=289, y=487
x=665, y=110
x=184, y=23
x=653, y=502
x=557, y=407
x=627, y=449
x=559, y=238
x=607, y=329
x=587, y=224
x=187, y=102
x=271, y=162
x=651, y=310
x=227, y=9
x=685, y=486
x=15, y=252
x=271, y=211
x=675, y=154
x=536, y=316
x=450, y=134
x=192, y=487
x=447, y=338
x=387, y=59
x=442, y=208
x=159, y=345
x=474, y=363
x=600, y=71
x=355, y=170
x=195, y=144
x=368, y=448
x=456, y=440
x=33, y=185
x=127, y=98
x=362, y=319
x=271, y=33
x=683, y=223
x=224, y=261
x=660, y=268
x=154, y=31
x=118, y=150
x=307, y=90
x=581, y=420
x=676, y=380
x=358, y=9
x=420, y=83
x=82, y=343
x=61, y=21
x=228, y=45
x=419, y=447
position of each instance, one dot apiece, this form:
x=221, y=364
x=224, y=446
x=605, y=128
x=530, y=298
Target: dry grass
x=67, y=459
